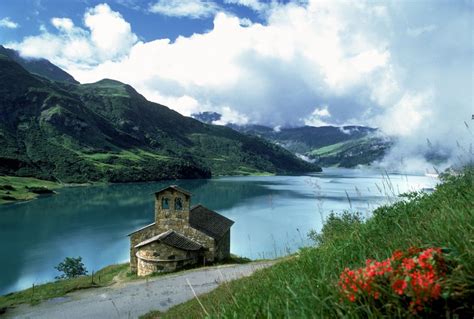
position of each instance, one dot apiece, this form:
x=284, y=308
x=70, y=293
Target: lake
x=272, y=216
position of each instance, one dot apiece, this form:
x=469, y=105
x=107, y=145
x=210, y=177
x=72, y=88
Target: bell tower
x=172, y=206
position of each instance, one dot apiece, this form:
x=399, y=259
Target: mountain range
x=54, y=128
x=345, y=146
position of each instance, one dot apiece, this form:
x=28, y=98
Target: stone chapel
x=180, y=235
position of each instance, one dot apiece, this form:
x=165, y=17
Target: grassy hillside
x=307, y=285
x=106, y=131
x=364, y=150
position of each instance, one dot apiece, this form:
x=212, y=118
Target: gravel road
x=133, y=299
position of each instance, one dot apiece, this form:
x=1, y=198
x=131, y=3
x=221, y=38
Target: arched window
x=165, y=203
x=178, y=203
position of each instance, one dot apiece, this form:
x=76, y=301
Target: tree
x=71, y=267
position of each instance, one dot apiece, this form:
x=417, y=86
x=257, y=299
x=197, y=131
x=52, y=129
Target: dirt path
x=133, y=299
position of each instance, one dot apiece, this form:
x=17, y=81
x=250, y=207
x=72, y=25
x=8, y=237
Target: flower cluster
x=415, y=276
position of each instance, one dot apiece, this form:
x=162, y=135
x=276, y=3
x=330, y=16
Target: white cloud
x=63, y=24
x=409, y=115
x=195, y=9
x=110, y=34
x=108, y=37
x=318, y=117
x=231, y=116
x=8, y=23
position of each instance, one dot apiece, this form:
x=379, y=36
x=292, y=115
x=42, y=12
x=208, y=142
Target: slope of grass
x=351, y=153
x=306, y=286
x=23, y=188
x=59, y=288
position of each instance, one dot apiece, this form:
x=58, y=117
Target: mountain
x=207, y=117
x=41, y=67
x=106, y=131
x=346, y=146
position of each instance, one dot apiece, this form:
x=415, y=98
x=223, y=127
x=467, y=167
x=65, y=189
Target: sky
x=404, y=66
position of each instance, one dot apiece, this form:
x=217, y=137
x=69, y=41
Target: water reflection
x=272, y=216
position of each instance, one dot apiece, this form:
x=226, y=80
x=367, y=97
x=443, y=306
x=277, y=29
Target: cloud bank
x=388, y=65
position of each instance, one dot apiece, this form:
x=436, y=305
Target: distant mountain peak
x=107, y=81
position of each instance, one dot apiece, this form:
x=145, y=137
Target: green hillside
x=106, y=131
x=351, y=153
x=346, y=146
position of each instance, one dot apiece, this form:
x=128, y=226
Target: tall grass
x=306, y=285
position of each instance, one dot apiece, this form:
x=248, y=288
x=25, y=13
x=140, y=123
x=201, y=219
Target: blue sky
x=146, y=24
x=403, y=66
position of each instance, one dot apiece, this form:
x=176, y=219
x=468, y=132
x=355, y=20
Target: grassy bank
x=13, y=189
x=306, y=287
x=34, y=295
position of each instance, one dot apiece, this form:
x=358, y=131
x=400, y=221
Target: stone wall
x=223, y=246
x=137, y=238
x=158, y=257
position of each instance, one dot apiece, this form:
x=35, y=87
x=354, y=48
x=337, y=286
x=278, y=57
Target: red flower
x=408, y=264
x=424, y=268
x=399, y=286
x=397, y=255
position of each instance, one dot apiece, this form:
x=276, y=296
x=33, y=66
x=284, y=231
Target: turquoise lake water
x=272, y=216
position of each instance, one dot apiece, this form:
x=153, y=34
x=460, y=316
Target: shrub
x=71, y=267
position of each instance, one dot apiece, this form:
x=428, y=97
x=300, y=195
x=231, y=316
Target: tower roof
x=176, y=188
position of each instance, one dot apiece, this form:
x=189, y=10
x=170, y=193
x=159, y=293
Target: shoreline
x=52, y=186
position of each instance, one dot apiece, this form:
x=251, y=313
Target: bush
x=71, y=268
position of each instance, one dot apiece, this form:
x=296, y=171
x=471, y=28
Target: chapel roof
x=174, y=239
x=209, y=222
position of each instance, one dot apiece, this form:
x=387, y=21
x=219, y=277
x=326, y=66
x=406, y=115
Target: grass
x=246, y=171
x=334, y=149
x=14, y=189
x=306, y=286
x=103, y=277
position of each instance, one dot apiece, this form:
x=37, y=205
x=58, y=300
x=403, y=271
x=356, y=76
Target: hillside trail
x=135, y=298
